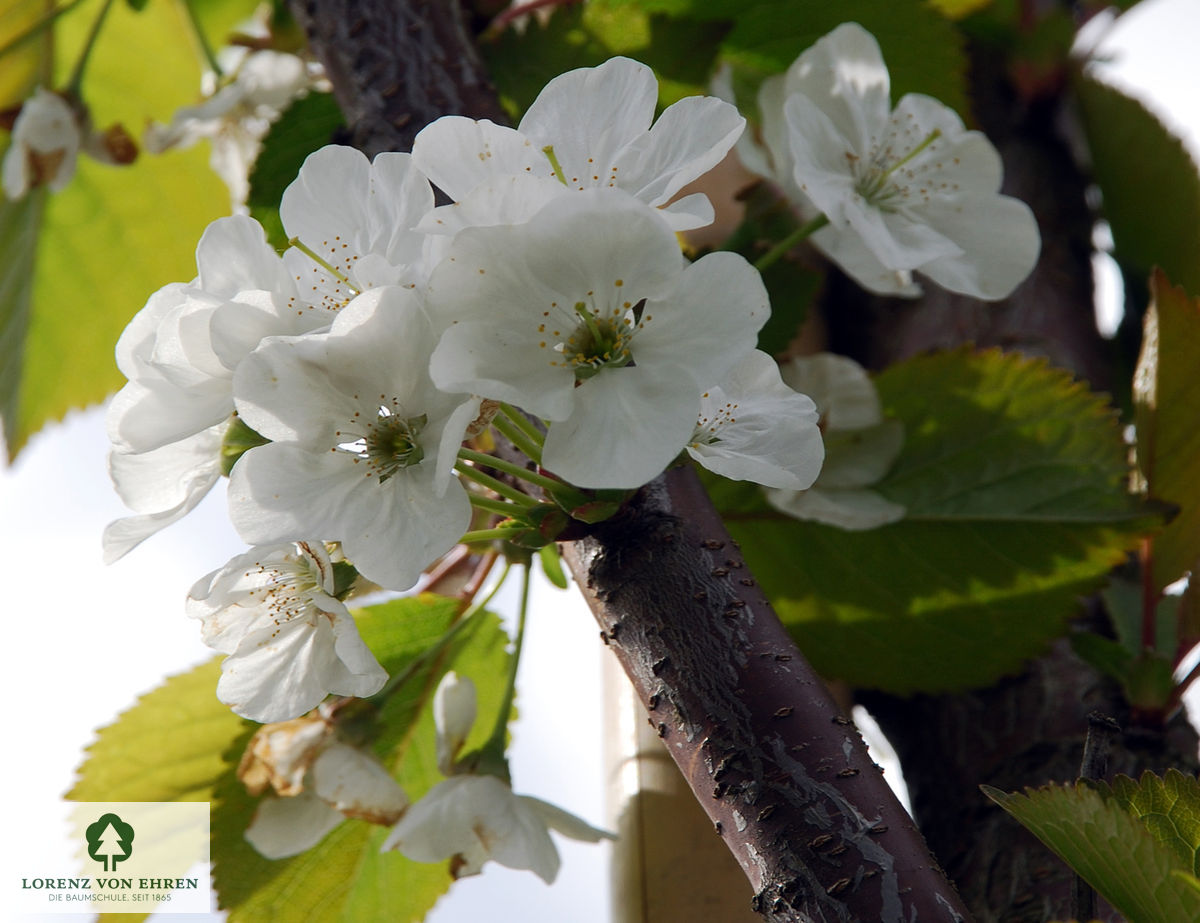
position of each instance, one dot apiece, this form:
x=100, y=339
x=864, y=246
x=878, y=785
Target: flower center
x=387, y=444
x=712, y=421
x=599, y=342
x=885, y=180
x=291, y=583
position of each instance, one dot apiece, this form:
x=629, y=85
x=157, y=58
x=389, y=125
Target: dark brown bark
x=783, y=775
x=397, y=66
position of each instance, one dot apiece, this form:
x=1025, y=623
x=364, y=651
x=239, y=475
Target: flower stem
x=801, y=233
x=509, y=468
x=505, y=490
x=202, y=39
x=517, y=435
x=499, y=736
x=527, y=426
x=312, y=255
x=500, y=533
x=499, y=507
x=76, y=79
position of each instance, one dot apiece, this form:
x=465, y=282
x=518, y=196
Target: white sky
x=84, y=640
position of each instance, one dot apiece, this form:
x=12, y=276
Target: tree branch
x=784, y=776
x=397, y=66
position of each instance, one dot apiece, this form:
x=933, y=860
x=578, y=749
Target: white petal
x=476, y=818
x=458, y=154
x=565, y=822
x=357, y=785
x=627, y=426
x=755, y=428
x=844, y=74
x=285, y=827
x=453, y=715
x=840, y=387
x=588, y=115
x=708, y=322
x=690, y=138
x=233, y=255
x=163, y=485
x=1000, y=243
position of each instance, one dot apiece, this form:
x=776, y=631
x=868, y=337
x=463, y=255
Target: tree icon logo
x=110, y=840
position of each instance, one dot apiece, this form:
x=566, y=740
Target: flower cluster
x=407, y=377
x=336, y=384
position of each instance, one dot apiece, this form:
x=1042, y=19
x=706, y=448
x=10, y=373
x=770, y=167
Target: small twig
x=1102, y=731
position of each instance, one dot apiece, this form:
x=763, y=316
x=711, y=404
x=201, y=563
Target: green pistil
x=324, y=264
x=393, y=446
x=873, y=187
x=600, y=345
x=548, y=150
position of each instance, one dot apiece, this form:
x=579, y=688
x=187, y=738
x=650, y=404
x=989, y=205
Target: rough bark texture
x=783, y=775
x=397, y=66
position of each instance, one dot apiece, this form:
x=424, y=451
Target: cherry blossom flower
x=46, y=138
x=753, y=427
x=237, y=116
x=860, y=446
x=364, y=444
x=470, y=819
x=360, y=218
x=179, y=353
x=588, y=316
x=597, y=121
x=905, y=189
x=318, y=782
x=290, y=642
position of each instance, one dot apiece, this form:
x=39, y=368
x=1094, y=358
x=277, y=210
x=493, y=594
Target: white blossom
x=589, y=317
x=237, y=116
x=470, y=819
x=290, y=642
x=860, y=446
x=318, y=782
x=46, y=139
x=179, y=353
x=905, y=189
x=360, y=217
x=597, y=120
x=753, y=427
x=364, y=444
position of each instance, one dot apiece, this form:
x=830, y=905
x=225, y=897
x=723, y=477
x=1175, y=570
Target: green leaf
x=1109, y=847
x=1166, y=393
x=1149, y=181
x=167, y=747
x=1013, y=476
x=1170, y=809
x=346, y=877
x=309, y=123
x=681, y=52
x=114, y=234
